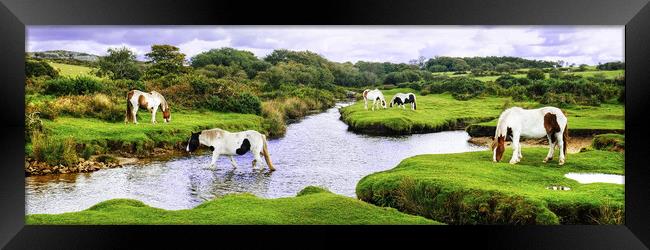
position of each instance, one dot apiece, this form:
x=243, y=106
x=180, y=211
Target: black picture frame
x=16, y=14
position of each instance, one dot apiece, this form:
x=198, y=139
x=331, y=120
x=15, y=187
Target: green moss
x=611, y=142
x=313, y=206
x=468, y=188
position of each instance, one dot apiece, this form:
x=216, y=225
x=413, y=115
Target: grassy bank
x=468, y=188
x=434, y=113
x=312, y=205
x=111, y=137
x=583, y=121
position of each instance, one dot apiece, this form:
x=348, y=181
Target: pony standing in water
x=400, y=99
x=136, y=99
x=226, y=143
x=531, y=123
x=376, y=96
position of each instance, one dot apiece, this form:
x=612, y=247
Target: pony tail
x=129, y=107
x=265, y=152
x=565, y=137
x=415, y=104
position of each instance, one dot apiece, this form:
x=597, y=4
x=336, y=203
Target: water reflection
x=315, y=151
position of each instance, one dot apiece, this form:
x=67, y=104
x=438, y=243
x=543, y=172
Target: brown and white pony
x=531, y=123
x=223, y=142
x=376, y=96
x=136, y=99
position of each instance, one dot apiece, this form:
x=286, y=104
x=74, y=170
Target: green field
x=437, y=112
x=145, y=136
x=72, y=70
x=468, y=188
x=311, y=206
x=609, y=74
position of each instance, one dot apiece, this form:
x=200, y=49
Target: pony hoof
x=513, y=162
x=561, y=163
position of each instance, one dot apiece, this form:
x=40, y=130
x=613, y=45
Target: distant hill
x=64, y=55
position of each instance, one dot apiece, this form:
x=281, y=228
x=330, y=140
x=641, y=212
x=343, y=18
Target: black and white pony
x=376, y=96
x=136, y=99
x=401, y=99
x=226, y=143
x=531, y=123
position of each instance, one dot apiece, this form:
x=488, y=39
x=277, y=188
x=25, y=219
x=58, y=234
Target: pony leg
x=365, y=103
x=373, y=104
x=135, y=114
x=551, y=150
x=153, y=114
x=515, y=148
x=233, y=162
x=560, y=143
x=215, y=156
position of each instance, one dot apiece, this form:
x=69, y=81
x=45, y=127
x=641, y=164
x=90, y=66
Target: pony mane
x=163, y=102
x=502, y=124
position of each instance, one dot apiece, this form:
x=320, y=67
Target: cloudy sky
x=574, y=44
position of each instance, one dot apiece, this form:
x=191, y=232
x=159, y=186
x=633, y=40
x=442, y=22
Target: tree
x=535, y=74
x=230, y=57
x=164, y=60
x=119, y=64
x=582, y=67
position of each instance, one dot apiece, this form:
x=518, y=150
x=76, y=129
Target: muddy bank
x=476, y=130
x=575, y=145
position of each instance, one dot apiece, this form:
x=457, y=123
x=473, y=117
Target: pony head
x=167, y=114
x=193, y=143
x=498, y=147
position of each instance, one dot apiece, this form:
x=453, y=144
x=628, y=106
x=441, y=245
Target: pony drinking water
x=136, y=99
x=376, y=96
x=531, y=123
x=226, y=143
x=400, y=99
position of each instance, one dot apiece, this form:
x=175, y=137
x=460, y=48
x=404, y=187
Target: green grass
x=72, y=70
x=434, y=113
x=609, y=74
x=313, y=205
x=468, y=188
x=145, y=136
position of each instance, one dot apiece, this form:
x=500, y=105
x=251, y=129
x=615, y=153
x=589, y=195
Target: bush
x=245, y=103
x=558, y=100
x=80, y=85
x=54, y=152
x=96, y=106
x=463, y=88
x=518, y=93
x=39, y=68
x=535, y=74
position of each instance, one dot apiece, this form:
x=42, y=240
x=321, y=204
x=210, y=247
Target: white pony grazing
x=400, y=99
x=226, y=143
x=531, y=123
x=376, y=96
x=136, y=99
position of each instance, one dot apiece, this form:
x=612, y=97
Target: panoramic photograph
x=301, y=125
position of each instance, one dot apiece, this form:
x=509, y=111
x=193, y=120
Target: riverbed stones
x=33, y=167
